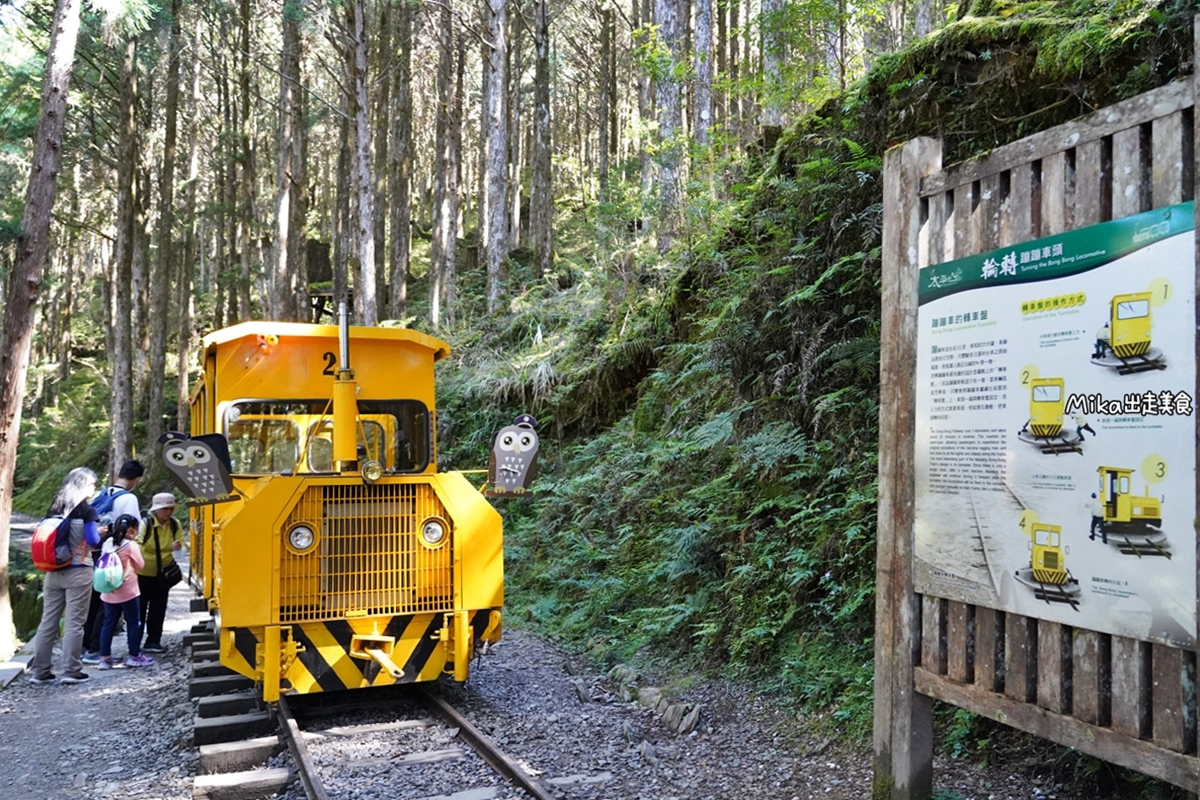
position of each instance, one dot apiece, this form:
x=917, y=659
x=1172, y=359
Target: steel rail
x=295, y=742
x=487, y=748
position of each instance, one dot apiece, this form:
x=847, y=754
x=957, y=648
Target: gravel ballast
x=125, y=734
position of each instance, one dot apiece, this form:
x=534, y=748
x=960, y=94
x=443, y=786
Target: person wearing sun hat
x=161, y=536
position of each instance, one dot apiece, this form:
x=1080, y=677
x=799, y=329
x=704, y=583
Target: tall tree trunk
x=160, y=279
x=481, y=175
x=298, y=236
x=26, y=281
x=770, y=24
x=496, y=230
x=516, y=155
x=734, y=107
x=749, y=97
x=246, y=158
x=141, y=269
x=364, y=234
x=702, y=65
x=454, y=178
x=443, y=224
x=670, y=120
x=222, y=253
x=121, y=344
x=722, y=65
x=607, y=29
x=192, y=244
x=400, y=173
x=282, y=301
x=385, y=59
x=645, y=114
x=541, y=201
x=923, y=24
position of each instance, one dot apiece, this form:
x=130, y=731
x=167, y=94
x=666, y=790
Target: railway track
x=403, y=741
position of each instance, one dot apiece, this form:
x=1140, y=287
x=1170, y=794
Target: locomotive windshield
x=1047, y=394
x=1133, y=309
x=276, y=436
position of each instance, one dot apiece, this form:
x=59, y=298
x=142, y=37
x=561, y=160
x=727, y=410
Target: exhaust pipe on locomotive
x=345, y=405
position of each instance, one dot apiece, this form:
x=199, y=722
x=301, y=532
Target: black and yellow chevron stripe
x=323, y=662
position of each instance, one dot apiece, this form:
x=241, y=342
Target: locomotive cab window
x=374, y=446
x=1133, y=309
x=1047, y=394
x=274, y=436
x=1046, y=538
x=261, y=445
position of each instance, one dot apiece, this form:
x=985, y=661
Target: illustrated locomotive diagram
x=1131, y=523
x=1045, y=428
x=328, y=547
x=1047, y=574
x=1123, y=342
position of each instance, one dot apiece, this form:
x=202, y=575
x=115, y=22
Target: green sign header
x=1056, y=256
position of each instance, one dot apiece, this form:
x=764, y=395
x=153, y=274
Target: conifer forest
x=655, y=225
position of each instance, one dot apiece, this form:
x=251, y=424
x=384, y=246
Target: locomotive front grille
x=367, y=560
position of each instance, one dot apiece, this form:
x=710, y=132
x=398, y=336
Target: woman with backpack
x=161, y=538
x=67, y=591
x=123, y=599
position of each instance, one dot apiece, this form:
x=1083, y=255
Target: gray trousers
x=66, y=590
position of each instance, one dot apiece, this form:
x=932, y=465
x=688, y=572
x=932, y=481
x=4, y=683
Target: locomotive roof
x=298, y=329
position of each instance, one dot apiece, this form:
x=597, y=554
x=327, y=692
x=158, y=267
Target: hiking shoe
x=153, y=648
x=78, y=677
x=91, y=657
x=141, y=660
x=104, y=663
x=42, y=679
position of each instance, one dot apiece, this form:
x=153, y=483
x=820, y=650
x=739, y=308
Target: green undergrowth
x=709, y=440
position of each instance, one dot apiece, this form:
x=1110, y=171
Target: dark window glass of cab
x=276, y=436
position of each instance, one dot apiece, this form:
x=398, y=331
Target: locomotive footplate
x=1067, y=441
x=1152, y=359
x=1068, y=593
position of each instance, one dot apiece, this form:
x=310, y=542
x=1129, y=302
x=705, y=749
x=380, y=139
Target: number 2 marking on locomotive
x=330, y=363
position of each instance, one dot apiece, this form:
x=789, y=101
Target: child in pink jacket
x=125, y=599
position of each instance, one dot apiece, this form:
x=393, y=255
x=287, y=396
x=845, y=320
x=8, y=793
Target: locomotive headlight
x=372, y=471
x=433, y=532
x=301, y=538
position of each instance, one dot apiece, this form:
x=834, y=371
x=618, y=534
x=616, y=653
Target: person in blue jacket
x=68, y=591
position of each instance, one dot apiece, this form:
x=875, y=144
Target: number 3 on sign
x=1154, y=468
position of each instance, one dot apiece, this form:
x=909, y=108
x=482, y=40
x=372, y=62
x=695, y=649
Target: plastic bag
x=109, y=574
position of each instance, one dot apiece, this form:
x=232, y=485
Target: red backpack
x=52, y=544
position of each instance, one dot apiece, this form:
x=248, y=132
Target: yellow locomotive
x=1125, y=512
x=1047, y=576
x=1047, y=561
x=1046, y=406
x=1129, y=325
x=341, y=558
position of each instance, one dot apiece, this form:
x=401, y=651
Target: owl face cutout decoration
x=199, y=466
x=513, y=460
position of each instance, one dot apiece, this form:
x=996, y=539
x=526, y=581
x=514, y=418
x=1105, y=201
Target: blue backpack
x=103, y=504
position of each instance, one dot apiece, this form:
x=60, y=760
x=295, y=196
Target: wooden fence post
x=903, y=719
